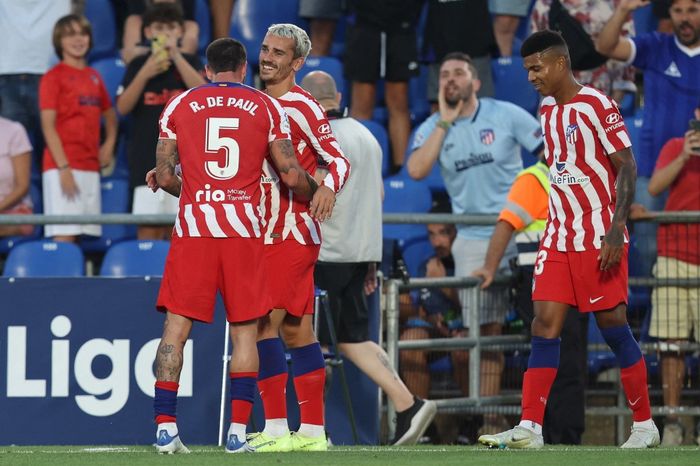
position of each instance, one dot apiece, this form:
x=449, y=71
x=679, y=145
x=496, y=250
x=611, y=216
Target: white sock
x=311, y=430
x=170, y=428
x=276, y=427
x=532, y=426
x=238, y=430
x=648, y=424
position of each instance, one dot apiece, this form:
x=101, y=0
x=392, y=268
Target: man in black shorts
x=347, y=263
x=381, y=44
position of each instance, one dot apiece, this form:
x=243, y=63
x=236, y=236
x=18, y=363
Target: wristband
x=64, y=167
x=443, y=124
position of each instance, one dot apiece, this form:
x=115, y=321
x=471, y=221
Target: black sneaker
x=412, y=423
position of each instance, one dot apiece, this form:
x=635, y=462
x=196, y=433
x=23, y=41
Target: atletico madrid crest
x=572, y=134
x=487, y=136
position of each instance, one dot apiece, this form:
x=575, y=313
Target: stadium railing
x=506, y=403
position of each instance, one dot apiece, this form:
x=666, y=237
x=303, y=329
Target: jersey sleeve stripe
x=168, y=111
x=337, y=164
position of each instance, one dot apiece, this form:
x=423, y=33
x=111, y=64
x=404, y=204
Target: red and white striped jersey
x=579, y=137
x=223, y=133
x=286, y=215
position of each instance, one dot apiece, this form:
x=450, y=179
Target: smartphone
x=158, y=45
x=694, y=125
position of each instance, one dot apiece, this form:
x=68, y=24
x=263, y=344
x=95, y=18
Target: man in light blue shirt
x=477, y=143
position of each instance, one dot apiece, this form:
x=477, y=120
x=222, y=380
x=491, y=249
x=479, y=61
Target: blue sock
x=306, y=359
x=272, y=358
x=544, y=353
x=623, y=344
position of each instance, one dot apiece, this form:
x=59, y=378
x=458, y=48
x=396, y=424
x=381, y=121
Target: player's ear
x=210, y=73
x=298, y=63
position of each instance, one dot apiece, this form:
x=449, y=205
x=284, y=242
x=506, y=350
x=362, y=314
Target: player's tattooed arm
x=166, y=160
x=613, y=244
x=293, y=175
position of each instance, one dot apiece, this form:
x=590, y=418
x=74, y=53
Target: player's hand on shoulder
x=322, y=203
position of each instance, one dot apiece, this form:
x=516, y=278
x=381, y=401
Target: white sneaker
x=673, y=434
x=165, y=443
x=516, y=438
x=643, y=437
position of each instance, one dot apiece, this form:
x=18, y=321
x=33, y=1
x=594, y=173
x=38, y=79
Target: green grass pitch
x=350, y=456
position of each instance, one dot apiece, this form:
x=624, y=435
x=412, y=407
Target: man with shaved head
x=347, y=263
x=582, y=259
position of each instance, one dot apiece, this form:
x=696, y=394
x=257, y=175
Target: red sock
x=536, y=385
x=309, y=388
x=634, y=382
x=273, y=392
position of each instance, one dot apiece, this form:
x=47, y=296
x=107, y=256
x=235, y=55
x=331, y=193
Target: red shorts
x=289, y=276
x=196, y=268
x=575, y=278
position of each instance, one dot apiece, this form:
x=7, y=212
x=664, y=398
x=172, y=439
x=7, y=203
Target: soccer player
x=582, y=259
x=293, y=240
x=220, y=133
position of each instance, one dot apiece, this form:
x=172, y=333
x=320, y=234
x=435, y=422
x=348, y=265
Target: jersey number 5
x=215, y=142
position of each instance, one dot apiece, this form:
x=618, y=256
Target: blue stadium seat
x=8, y=242
x=634, y=126
x=627, y=104
x=251, y=18
x=112, y=70
x=418, y=96
x=524, y=26
x=115, y=199
x=404, y=195
x=338, y=44
x=203, y=19
x=415, y=254
x=379, y=132
x=121, y=169
x=330, y=65
x=45, y=258
x=511, y=84
x=130, y=258
x=100, y=13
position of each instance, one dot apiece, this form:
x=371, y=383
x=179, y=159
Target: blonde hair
x=302, y=43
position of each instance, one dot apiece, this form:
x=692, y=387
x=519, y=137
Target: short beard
x=693, y=41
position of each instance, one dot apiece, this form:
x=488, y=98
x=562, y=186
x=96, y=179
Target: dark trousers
x=19, y=101
x=564, y=418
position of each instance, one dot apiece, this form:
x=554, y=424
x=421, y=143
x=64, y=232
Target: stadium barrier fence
x=507, y=402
